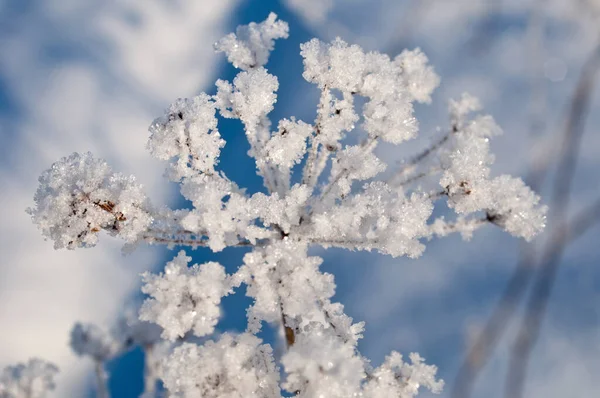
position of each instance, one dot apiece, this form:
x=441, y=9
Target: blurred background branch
x=562, y=233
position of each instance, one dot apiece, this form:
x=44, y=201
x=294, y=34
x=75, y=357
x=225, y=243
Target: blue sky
x=91, y=75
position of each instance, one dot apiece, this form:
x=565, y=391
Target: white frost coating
x=339, y=200
x=335, y=117
x=420, y=78
x=284, y=212
x=33, y=379
x=396, y=378
x=354, y=163
x=320, y=365
x=228, y=212
x=465, y=226
x=466, y=178
x=251, y=96
x=89, y=340
x=251, y=44
x=80, y=195
x=187, y=131
x=513, y=207
x=378, y=218
x=250, y=99
x=459, y=109
x=231, y=367
x=288, y=146
x=390, y=86
x=184, y=299
x=336, y=65
x=285, y=277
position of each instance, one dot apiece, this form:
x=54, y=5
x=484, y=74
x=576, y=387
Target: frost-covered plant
x=320, y=190
x=101, y=346
x=30, y=380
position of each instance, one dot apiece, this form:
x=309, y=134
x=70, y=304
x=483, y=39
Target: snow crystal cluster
x=80, y=196
x=184, y=299
x=33, y=379
x=230, y=367
x=320, y=189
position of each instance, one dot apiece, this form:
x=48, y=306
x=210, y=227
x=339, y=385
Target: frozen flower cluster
x=184, y=299
x=230, y=367
x=80, y=196
x=325, y=185
x=101, y=346
x=30, y=380
x=89, y=340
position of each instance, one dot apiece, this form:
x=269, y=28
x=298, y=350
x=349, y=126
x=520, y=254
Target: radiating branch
x=410, y=166
x=193, y=241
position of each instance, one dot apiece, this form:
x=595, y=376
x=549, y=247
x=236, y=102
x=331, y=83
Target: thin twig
x=149, y=371
x=308, y=173
x=459, y=226
x=435, y=195
x=416, y=177
x=429, y=150
x=266, y=171
x=101, y=378
x=193, y=242
x=367, y=146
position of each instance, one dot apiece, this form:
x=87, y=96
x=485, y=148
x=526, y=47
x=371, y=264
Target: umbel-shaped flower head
x=325, y=184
